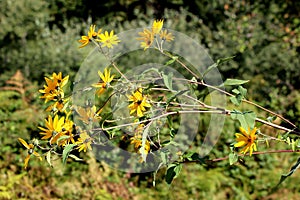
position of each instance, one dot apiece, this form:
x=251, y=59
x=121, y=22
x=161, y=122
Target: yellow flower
x=84, y=40
x=91, y=34
x=31, y=151
x=106, y=78
x=147, y=37
x=50, y=90
x=157, y=26
x=164, y=35
x=53, y=88
x=61, y=82
x=139, y=102
x=53, y=127
x=88, y=115
x=108, y=40
x=84, y=142
x=247, y=140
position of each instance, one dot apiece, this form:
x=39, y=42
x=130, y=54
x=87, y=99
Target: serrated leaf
x=230, y=81
x=67, y=149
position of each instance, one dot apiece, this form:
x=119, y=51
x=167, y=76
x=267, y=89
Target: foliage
x=38, y=37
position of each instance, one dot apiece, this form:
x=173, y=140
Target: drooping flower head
x=247, y=140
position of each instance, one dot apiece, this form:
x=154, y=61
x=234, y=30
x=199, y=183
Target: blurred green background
x=39, y=37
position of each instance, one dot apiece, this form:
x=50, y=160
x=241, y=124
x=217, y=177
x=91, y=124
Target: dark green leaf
x=293, y=169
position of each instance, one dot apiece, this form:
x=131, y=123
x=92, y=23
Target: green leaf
x=222, y=60
x=68, y=148
x=174, y=58
x=172, y=172
x=246, y=119
x=215, y=65
x=230, y=81
x=144, y=139
x=48, y=158
x=233, y=158
x=168, y=80
x=175, y=95
x=293, y=169
x=64, y=137
x=75, y=157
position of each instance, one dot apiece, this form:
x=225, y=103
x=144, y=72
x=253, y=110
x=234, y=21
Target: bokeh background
x=40, y=37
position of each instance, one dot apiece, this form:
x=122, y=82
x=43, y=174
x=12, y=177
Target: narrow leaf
x=230, y=81
x=75, y=157
x=68, y=148
x=293, y=169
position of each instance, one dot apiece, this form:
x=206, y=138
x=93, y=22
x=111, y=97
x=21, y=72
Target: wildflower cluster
x=148, y=36
x=105, y=39
x=152, y=109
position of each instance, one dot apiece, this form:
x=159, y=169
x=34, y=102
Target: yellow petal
x=24, y=143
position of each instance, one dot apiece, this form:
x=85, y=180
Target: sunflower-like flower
x=88, y=115
x=31, y=151
x=247, y=140
x=105, y=80
x=85, y=39
x=108, y=39
x=53, y=127
x=157, y=26
x=164, y=35
x=84, y=142
x=53, y=88
x=147, y=38
x=138, y=103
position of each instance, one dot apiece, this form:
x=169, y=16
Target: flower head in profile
x=30, y=148
x=105, y=80
x=108, y=39
x=246, y=140
x=85, y=39
x=138, y=103
x=84, y=142
x=157, y=26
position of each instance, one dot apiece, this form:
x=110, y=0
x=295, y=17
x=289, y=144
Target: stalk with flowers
x=152, y=111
